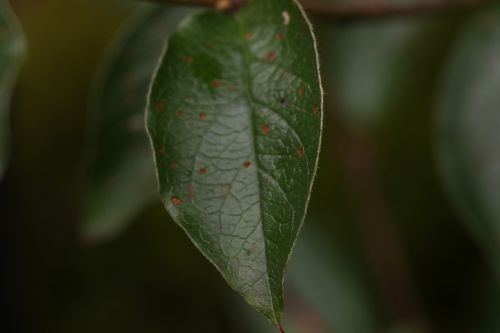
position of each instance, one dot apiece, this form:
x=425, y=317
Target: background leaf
x=235, y=119
x=467, y=134
x=120, y=179
x=12, y=48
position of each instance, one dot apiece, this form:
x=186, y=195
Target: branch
x=359, y=10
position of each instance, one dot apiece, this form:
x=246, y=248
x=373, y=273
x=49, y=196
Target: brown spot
x=315, y=109
x=188, y=59
x=173, y=165
x=203, y=116
x=247, y=164
x=301, y=152
x=162, y=151
x=232, y=87
x=180, y=113
x=249, y=36
x=176, y=201
x=159, y=105
x=204, y=171
x=271, y=56
x=280, y=36
x=265, y=129
x=301, y=92
x=216, y=84
x=191, y=191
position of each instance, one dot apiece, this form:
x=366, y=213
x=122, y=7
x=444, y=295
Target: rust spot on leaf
x=247, y=164
x=315, y=109
x=176, y=201
x=203, y=115
x=280, y=36
x=159, y=105
x=285, y=73
x=265, y=129
x=216, y=84
x=301, y=152
x=204, y=171
x=301, y=92
x=173, y=165
x=180, y=113
x=271, y=56
x=189, y=59
x=162, y=151
x=249, y=36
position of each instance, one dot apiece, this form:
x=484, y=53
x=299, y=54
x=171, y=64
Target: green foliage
x=120, y=178
x=234, y=116
x=11, y=52
x=468, y=128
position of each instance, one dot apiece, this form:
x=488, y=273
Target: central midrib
x=246, y=56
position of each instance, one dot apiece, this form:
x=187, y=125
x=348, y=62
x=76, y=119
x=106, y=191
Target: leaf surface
x=235, y=114
x=120, y=179
x=11, y=53
x=468, y=127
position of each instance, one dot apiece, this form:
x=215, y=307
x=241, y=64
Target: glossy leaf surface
x=11, y=52
x=121, y=172
x=235, y=116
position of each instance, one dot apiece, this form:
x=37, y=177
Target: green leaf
x=120, y=178
x=12, y=49
x=468, y=128
x=234, y=116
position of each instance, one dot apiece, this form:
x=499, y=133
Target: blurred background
x=382, y=251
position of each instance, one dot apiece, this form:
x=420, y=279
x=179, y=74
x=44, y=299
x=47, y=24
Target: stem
x=359, y=10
